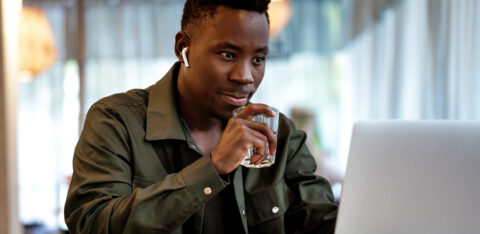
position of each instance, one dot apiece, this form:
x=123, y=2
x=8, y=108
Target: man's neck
x=204, y=128
x=197, y=119
x=205, y=131
x=198, y=122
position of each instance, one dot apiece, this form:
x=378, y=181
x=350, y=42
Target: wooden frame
x=9, y=214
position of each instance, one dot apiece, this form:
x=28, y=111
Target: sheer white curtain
x=419, y=61
x=128, y=45
x=48, y=109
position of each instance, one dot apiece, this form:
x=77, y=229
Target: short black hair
x=195, y=11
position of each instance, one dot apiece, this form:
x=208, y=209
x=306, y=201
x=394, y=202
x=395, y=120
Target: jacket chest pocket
x=268, y=204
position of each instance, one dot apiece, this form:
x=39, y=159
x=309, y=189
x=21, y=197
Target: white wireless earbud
x=184, y=55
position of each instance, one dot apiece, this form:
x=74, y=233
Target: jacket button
x=275, y=209
x=207, y=190
x=244, y=213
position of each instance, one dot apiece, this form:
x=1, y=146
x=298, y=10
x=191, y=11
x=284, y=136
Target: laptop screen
x=412, y=177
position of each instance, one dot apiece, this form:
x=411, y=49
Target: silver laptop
x=412, y=177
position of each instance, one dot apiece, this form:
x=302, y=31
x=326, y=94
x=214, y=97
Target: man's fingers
x=257, y=158
x=266, y=131
x=258, y=141
x=254, y=134
x=254, y=109
x=262, y=147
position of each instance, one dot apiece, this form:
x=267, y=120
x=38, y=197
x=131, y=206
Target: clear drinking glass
x=272, y=123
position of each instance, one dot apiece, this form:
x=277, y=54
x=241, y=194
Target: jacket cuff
x=202, y=179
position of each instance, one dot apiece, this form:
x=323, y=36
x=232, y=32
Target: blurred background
x=331, y=63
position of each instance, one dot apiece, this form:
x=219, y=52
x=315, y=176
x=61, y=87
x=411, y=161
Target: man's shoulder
x=288, y=130
x=285, y=122
x=131, y=98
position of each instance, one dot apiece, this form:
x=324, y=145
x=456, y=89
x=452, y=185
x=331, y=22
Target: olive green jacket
x=138, y=170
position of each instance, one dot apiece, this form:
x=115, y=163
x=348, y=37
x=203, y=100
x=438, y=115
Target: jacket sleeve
x=103, y=198
x=313, y=209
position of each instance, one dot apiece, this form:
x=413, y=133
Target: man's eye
x=258, y=60
x=227, y=55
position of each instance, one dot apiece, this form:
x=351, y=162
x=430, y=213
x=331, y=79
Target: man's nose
x=242, y=73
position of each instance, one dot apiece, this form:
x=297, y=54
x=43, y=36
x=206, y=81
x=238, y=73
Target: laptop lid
x=412, y=177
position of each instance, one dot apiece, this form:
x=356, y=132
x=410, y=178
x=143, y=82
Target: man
x=167, y=159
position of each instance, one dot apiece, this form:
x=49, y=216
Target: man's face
x=227, y=61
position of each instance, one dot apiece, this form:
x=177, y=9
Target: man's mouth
x=235, y=99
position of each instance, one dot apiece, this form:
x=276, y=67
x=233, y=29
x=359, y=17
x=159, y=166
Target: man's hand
x=240, y=134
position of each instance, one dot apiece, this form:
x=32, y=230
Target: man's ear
x=181, y=41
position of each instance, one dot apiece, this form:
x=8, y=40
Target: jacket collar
x=163, y=119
